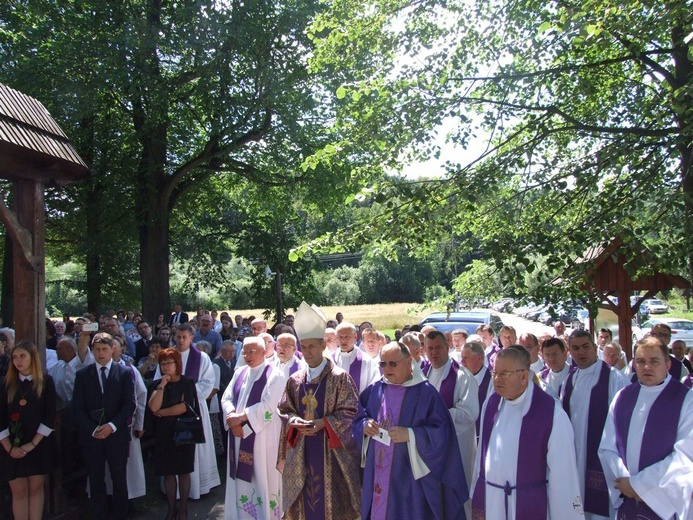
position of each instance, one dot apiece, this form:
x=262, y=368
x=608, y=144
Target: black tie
x=103, y=379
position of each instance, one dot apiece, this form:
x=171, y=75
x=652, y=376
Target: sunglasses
x=391, y=364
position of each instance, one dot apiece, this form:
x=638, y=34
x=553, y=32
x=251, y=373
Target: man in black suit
x=226, y=361
x=178, y=316
x=142, y=344
x=103, y=403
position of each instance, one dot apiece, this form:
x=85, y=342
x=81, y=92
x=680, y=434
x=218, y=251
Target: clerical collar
x=349, y=354
x=657, y=388
x=314, y=373
x=26, y=378
x=255, y=370
x=417, y=377
x=520, y=398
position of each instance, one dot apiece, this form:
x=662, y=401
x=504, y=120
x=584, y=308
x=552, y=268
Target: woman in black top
x=27, y=414
x=170, y=397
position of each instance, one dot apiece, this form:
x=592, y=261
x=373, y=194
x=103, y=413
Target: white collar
x=314, y=373
x=26, y=378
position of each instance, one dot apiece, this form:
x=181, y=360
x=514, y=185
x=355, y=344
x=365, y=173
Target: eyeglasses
x=391, y=364
x=506, y=373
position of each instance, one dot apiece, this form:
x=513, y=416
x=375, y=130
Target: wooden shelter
x=34, y=152
x=607, y=276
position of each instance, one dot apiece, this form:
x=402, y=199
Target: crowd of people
x=323, y=419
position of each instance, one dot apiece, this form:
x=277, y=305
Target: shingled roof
x=32, y=145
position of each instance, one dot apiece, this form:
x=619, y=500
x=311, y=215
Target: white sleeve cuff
x=418, y=466
x=44, y=430
x=113, y=426
x=4, y=434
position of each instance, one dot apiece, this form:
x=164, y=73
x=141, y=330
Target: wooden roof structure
x=32, y=144
x=606, y=276
x=34, y=151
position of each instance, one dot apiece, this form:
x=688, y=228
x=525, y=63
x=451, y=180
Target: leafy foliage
x=589, y=109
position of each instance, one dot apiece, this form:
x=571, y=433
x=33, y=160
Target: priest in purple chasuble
x=408, y=445
x=318, y=457
x=647, y=446
x=249, y=404
x=198, y=367
x=525, y=461
x=460, y=391
x=586, y=396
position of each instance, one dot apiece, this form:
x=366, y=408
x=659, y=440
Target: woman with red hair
x=170, y=397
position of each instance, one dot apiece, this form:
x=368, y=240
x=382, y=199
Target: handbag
x=188, y=429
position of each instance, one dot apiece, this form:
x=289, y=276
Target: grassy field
x=385, y=317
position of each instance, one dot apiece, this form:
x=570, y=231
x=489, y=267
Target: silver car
x=680, y=329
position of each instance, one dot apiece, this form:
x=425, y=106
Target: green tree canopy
x=589, y=109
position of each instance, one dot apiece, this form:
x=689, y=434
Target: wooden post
x=29, y=264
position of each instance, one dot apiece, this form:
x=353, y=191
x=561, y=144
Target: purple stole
x=354, y=368
x=294, y=367
x=245, y=450
x=688, y=382
x=545, y=374
x=192, y=369
x=596, y=491
x=491, y=357
x=658, y=438
x=447, y=385
x=531, y=500
x=483, y=391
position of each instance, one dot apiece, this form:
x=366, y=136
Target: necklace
x=22, y=401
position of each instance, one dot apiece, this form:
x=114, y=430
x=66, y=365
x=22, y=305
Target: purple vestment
x=437, y=495
x=246, y=448
x=658, y=439
x=314, y=490
x=447, y=385
x=596, y=497
x=531, y=500
x=483, y=391
x=192, y=368
x=355, y=367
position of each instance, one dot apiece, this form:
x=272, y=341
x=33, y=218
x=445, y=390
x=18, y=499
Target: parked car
x=449, y=326
x=655, y=306
x=680, y=329
x=477, y=316
x=503, y=305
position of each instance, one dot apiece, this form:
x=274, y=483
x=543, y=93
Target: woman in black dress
x=27, y=413
x=170, y=397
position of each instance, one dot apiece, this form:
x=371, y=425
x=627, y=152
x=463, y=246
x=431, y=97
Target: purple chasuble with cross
x=192, y=367
x=658, y=439
x=246, y=448
x=447, y=385
x=596, y=491
x=531, y=498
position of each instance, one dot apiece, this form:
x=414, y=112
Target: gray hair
x=412, y=340
x=516, y=353
x=398, y=345
x=70, y=342
x=204, y=346
x=474, y=347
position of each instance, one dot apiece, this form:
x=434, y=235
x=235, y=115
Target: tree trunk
x=154, y=257
x=93, y=258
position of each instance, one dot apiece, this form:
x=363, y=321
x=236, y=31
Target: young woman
x=27, y=413
x=169, y=399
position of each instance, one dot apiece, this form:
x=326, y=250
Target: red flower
x=15, y=416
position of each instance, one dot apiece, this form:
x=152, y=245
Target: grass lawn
x=385, y=317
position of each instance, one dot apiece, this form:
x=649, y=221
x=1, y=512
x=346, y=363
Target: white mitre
x=309, y=322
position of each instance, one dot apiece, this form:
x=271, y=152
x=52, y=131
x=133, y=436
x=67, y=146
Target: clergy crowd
x=322, y=419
